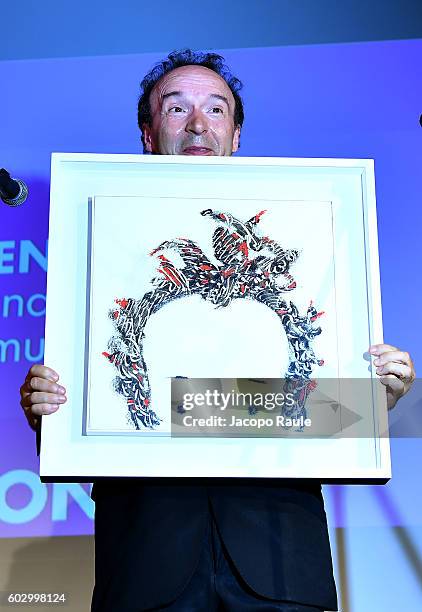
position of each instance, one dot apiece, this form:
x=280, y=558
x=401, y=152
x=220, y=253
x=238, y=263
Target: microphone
x=13, y=192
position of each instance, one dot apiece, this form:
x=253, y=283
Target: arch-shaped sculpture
x=264, y=277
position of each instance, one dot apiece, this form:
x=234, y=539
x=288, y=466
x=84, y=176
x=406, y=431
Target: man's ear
x=146, y=137
x=236, y=139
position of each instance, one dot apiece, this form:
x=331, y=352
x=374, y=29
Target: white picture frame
x=101, y=204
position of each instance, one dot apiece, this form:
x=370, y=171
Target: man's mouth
x=198, y=151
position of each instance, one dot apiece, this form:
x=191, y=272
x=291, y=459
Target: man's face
x=192, y=111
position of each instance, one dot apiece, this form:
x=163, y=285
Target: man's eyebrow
x=171, y=93
x=219, y=97
x=180, y=93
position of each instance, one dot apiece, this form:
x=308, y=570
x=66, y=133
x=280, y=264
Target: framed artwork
x=177, y=285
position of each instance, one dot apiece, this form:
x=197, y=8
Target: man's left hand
x=396, y=370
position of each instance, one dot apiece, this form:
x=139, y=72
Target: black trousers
x=217, y=586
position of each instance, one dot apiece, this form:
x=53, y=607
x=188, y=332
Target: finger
x=43, y=372
x=379, y=349
x=395, y=384
x=397, y=356
x=38, y=384
x=398, y=369
x=40, y=409
x=41, y=384
x=39, y=397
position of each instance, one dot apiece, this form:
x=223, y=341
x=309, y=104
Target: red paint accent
x=318, y=314
x=242, y=288
x=259, y=215
x=222, y=216
x=169, y=276
x=146, y=401
x=235, y=235
x=292, y=285
x=227, y=273
x=122, y=303
x=244, y=248
x=266, y=274
x=281, y=312
x=205, y=267
x=172, y=276
x=106, y=354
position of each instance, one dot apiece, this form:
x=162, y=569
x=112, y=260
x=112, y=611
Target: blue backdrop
x=342, y=100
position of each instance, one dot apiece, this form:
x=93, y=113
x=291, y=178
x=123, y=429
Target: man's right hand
x=41, y=393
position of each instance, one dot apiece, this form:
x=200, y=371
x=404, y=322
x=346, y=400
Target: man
x=206, y=545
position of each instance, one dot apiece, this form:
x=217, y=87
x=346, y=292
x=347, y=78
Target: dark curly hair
x=187, y=57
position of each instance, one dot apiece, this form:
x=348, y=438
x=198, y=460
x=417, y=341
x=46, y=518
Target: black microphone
x=13, y=192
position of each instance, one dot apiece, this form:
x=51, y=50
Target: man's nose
x=197, y=123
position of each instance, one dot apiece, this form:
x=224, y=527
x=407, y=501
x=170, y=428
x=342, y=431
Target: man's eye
x=176, y=109
x=217, y=109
